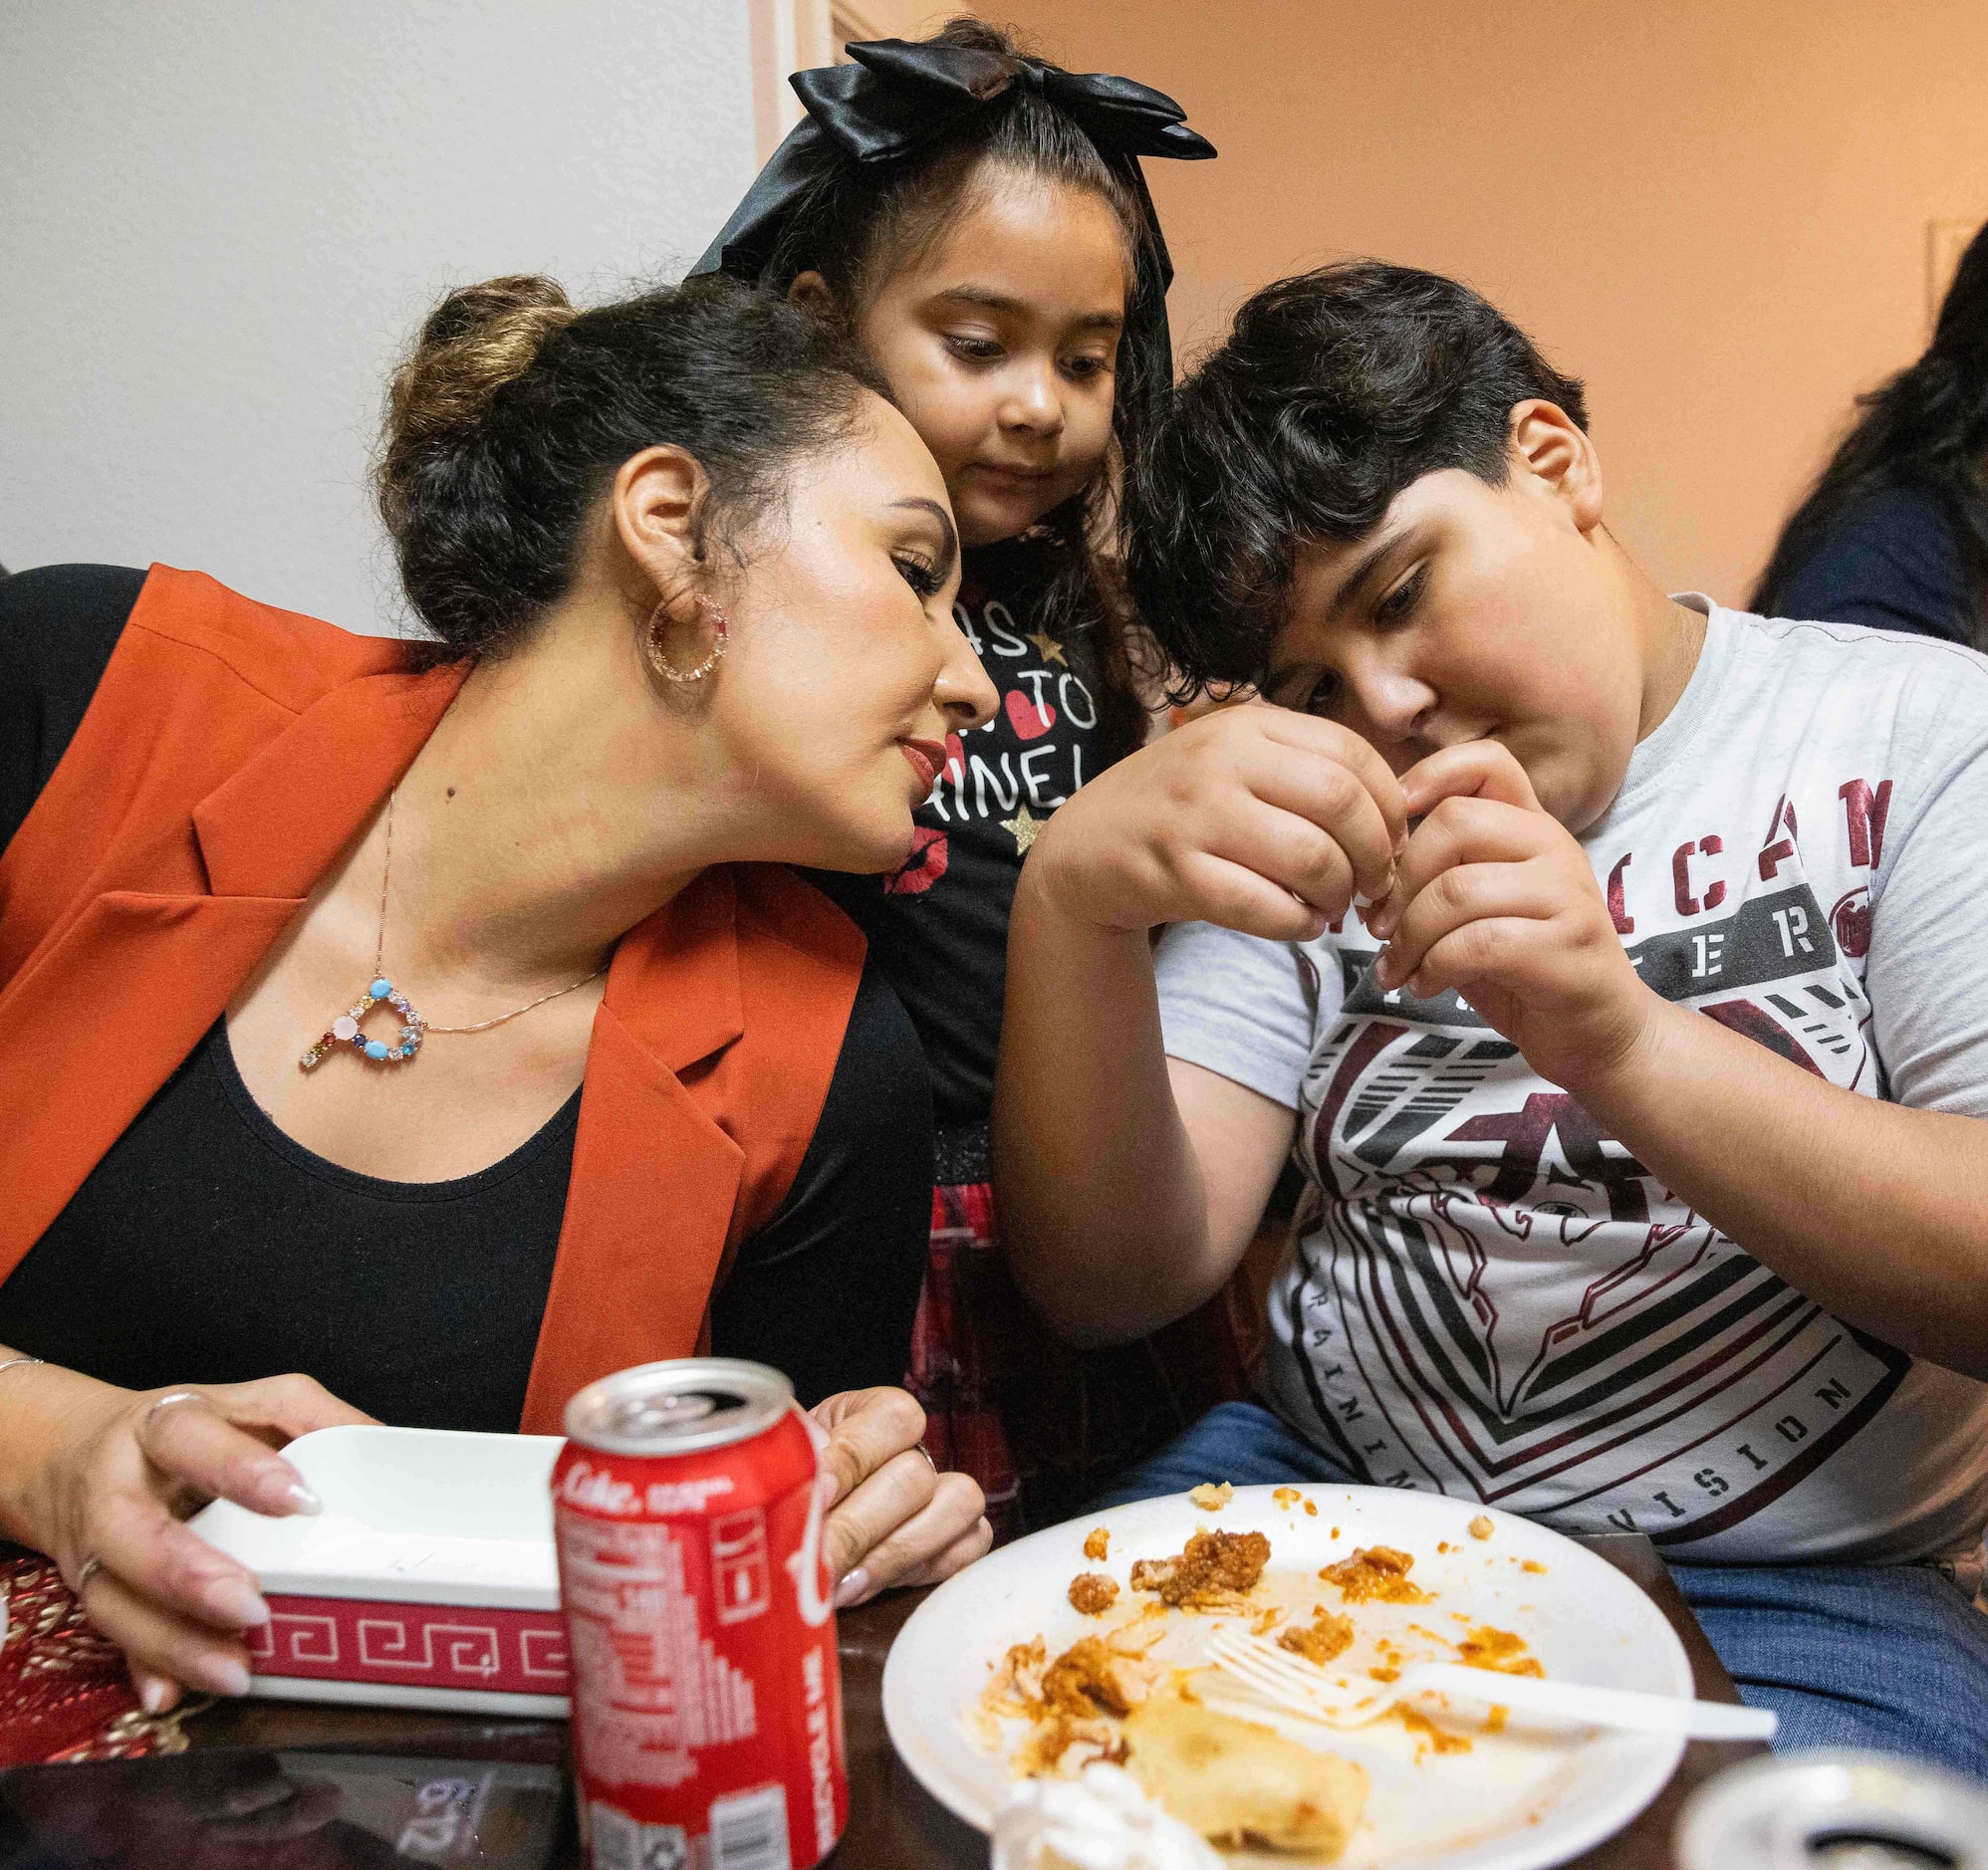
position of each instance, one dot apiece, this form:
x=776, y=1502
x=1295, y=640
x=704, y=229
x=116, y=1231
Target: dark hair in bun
x=515, y=410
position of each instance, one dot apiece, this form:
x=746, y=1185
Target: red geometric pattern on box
x=63, y=1692
x=342, y=1639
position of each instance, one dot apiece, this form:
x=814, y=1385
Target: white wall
x=221, y=219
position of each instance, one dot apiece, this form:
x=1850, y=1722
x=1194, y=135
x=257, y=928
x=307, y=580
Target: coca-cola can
x=707, y=1719
x=1834, y=1806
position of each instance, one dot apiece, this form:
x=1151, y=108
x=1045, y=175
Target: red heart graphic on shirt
x=923, y=868
x=1031, y=720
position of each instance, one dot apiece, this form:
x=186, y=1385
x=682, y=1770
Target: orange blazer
x=230, y=755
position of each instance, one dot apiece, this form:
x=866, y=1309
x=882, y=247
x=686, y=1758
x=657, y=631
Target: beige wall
x=1715, y=210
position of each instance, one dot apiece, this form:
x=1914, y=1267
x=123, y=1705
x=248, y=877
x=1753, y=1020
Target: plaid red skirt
x=63, y=1693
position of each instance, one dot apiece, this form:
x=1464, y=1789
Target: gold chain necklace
x=413, y=1029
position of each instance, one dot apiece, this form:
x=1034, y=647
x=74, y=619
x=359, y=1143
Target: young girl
x=977, y=222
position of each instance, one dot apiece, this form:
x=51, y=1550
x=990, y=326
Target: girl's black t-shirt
x=939, y=925
x=210, y=1246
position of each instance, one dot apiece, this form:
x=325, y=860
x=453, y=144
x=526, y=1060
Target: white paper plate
x=1518, y=1800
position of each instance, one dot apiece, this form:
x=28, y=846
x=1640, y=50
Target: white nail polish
x=300, y=1499
x=225, y=1676
x=855, y=1584
x=237, y=1601
x=151, y=1697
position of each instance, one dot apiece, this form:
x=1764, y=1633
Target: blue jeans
x=1891, y=1657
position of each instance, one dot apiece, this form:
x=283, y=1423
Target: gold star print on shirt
x=1025, y=825
x=1048, y=647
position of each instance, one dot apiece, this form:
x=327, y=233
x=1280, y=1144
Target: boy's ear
x=1548, y=444
x=809, y=291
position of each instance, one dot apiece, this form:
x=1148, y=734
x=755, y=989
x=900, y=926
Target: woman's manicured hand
x=1496, y=900
x=127, y=1468
x=893, y=1519
x=1256, y=817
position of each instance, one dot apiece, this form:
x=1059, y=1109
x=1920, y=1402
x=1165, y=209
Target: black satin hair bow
x=900, y=96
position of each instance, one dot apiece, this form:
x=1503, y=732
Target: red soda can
x=707, y=1717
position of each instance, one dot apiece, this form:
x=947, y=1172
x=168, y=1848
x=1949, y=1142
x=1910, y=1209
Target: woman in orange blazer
x=439, y=1020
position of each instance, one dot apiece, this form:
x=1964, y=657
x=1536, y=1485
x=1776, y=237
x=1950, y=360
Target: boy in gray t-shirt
x=1637, y=1085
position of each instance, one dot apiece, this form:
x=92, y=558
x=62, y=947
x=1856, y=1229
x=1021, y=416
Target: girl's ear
x=809, y=291
x=1549, y=446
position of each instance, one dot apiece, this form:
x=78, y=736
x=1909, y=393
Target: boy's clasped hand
x=1278, y=824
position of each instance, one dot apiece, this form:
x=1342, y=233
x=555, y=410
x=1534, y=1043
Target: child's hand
x=1496, y=900
x=1255, y=817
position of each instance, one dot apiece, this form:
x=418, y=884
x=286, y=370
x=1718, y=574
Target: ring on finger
x=91, y=1565
x=927, y=1453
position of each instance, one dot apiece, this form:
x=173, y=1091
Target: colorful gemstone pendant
x=345, y=1030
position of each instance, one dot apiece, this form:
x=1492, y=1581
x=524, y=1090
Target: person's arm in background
x=58, y=627
x=1889, y=565
x=1129, y=1185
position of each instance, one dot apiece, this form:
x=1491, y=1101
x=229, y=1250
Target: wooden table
x=895, y=1825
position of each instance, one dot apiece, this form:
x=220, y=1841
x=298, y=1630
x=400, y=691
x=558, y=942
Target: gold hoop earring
x=652, y=644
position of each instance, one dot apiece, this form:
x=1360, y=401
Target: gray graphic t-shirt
x=1492, y=1297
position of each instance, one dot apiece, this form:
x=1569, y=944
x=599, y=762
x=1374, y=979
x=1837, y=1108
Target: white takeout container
x=427, y=1582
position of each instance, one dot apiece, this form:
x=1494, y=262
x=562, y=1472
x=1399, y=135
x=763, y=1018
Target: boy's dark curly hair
x=1333, y=390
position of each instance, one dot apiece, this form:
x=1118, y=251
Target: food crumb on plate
x=1428, y=1736
x=1312, y=1507
x=1482, y=1527
x=1327, y=1637
x=1532, y=1564
x=1500, y=1650
x=1287, y=1497
x=1212, y=1496
x=1093, y=1592
x=1211, y=1568
x=1375, y=1571
x=1097, y=1542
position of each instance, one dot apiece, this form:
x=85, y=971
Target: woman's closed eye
x=920, y=574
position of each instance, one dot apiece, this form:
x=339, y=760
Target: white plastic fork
x=1298, y=1687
